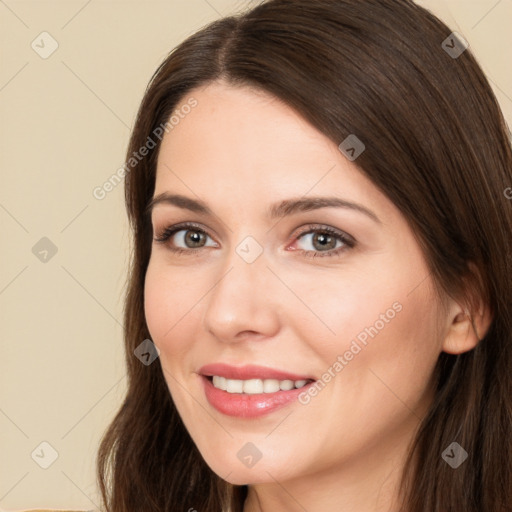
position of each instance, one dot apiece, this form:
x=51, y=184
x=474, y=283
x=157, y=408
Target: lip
x=249, y=372
x=242, y=405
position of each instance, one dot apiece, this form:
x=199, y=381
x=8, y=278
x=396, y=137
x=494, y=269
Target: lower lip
x=243, y=405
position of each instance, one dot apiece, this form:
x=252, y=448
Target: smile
x=250, y=391
x=255, y=386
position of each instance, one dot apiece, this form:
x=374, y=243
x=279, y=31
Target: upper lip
x=249, y=372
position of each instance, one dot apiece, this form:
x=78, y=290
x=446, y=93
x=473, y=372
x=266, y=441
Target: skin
x=241, y=150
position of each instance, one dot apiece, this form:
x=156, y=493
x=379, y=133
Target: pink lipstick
x=238, y=391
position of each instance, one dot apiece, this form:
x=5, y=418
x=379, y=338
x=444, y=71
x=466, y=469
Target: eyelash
x=348, y=242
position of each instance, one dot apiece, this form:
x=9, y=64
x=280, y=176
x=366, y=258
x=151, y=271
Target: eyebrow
x=277, y=210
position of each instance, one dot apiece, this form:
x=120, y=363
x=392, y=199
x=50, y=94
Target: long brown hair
x=436, y=144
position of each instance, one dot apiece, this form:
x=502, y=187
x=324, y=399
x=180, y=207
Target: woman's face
x=259, y=282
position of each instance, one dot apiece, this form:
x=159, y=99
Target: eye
x=189, y=237
x=326, y=241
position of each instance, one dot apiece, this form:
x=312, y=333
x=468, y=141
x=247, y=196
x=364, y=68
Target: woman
x=319, y=304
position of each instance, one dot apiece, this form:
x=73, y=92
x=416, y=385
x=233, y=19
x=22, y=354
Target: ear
x=467, y=321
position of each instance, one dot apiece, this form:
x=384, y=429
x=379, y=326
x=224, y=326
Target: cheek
x=379, y=332
x=376, y=372
x=168, y=306
x=336, y=308
x=388, y=356
x=155, y=303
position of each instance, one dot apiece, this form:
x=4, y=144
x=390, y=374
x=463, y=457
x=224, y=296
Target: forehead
x=244, y=126
x=245, y=137
x=244, y=147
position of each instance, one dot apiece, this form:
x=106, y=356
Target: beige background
x=65, y=125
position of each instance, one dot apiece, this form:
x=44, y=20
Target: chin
x=235, y=473
x=246, y=477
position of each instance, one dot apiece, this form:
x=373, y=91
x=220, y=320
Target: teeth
x=254, y=386
x=270, y=385
x=234, y=386
x=220, y=382
x=286, y=385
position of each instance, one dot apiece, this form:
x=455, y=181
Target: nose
x=244, y=301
